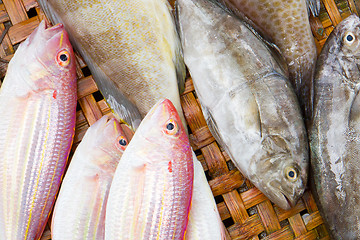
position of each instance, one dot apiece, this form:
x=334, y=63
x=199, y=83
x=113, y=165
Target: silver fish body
x=286, y=24
x=38, y=110
x=79, y=211
x=133, y=52
x=335, y=132
x=249, y=105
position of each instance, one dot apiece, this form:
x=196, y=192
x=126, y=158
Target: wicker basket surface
x=245, y=211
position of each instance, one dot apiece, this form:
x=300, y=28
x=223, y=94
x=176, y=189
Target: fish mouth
x=288, y=204
x=47, y=32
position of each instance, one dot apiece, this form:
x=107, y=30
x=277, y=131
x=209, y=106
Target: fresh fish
x=79, y=211
x=151, y=191
x=286, y=24
x=249, y=105
x=335, y=131
x=131, y=48
x=204, y=218
x=38, y=110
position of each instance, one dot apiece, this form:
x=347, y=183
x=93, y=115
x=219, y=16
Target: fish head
x=281, y=173
x=347, y=35
x=106, y=141
x=163, y=130
x=163, y=123
x=45, y=60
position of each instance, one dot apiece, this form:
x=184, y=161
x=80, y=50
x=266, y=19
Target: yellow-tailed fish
x=204, y=219
x=37, y=109
x=151, y=191
x=286, y=23
x=131, y=48
x=79, y=211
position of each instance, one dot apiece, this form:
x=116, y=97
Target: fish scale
x=334, y=133
x=38, y=110
x=151, y=191
x=27, y=180
x=286, y=24
x=131, y=48
x=248, y=103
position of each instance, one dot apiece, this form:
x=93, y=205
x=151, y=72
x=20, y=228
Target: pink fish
x=37, y=109
x=151, y=191
x=80, y=207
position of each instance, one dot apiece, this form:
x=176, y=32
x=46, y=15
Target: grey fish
x=133, y=52
x=249, y=105
x=286, y=23
x=335, y=131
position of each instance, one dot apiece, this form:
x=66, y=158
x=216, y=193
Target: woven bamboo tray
x=245, y=211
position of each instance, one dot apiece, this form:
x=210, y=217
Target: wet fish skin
x=286, y=24
x=335, y=131
x=249, y=105
x=38, y=110
x=151, y=191
x=204, y=219
x=133, y=52
x=79, y=211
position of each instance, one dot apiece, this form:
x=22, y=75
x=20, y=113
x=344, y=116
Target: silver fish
x=133, y=52
x=286, y=24
x=38, y=110
x=249, y=106
x=335, y=131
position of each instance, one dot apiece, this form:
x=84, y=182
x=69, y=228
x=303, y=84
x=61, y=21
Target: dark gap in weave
x=16, y=46
x=252, y=211
x=219, y=199
x=98, y=96
x=228, y=222
x=284, y=223
x=32, y=13
x=78, y=108
x=304, y=215
x=230, y=165
x=198, y=152
x=303, y=212
x=189, y=129
x=262, y=235
x=207, y=175
x=243, y=187
x=86, y=71
x=187, y=73
x=196, y=96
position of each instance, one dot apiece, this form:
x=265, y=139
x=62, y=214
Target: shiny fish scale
x=335, y=132
x=248, y=104
x=152, y=187
x=38, y=189
x=286, y=23
x=134, y=43
x=79, y=211
x=37, y=109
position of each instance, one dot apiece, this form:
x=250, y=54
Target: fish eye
x=122, y=143
x=349, y=38
x=63, y=58
x=171, y=127
x=291, y=173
